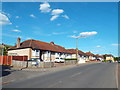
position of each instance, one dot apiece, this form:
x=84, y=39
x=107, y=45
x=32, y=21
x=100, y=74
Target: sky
x=63, y=22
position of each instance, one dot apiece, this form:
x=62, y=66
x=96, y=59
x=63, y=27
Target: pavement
x=95, y=75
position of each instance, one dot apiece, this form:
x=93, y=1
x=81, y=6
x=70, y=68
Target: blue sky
x=60, y=21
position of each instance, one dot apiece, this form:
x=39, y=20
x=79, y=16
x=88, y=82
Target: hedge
x=71, y=59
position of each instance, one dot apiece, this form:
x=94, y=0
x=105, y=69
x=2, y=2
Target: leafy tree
x=116, y=58
x=104, y=56
x=5, y=51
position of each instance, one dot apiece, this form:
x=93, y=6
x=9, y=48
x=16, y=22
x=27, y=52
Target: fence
x=7, y=60
x=20, y=58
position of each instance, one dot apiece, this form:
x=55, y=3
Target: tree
x=104, y=56
x=116, y=58
x=5, y=51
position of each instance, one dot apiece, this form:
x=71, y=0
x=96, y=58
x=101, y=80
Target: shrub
x=70, y=59
x=104, y=61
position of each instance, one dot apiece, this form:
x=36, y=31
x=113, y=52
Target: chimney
x=18, y=42
x=52, y=42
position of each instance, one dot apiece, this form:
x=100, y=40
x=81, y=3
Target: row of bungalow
x=48, y=51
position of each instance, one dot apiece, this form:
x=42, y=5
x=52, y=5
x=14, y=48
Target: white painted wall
x=21, y=52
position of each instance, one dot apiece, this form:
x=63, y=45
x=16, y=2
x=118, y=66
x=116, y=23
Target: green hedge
x=104, y=61
x=70, y=59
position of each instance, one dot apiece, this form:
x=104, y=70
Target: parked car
x=110, y=61
x=58, y=60
x=35, y=61
x=48, y=61
x=118, y=61
x=98, y=60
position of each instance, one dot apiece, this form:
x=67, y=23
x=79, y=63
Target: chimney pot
x=52, y=42
x=18, y=42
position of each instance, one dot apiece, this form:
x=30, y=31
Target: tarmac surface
x=95, y=75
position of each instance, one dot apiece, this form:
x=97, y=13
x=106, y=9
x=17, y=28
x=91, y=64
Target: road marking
x=76, y=74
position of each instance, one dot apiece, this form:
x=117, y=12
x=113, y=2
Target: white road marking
x=76, y=74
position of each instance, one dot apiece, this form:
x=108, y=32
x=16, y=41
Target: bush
x=70, y=59
x=104, y=61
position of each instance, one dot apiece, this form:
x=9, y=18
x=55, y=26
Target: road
x=96, y=75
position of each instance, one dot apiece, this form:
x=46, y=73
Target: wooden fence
x=7, y=60
x=20, y=58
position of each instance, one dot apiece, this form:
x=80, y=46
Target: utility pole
x=77, y=49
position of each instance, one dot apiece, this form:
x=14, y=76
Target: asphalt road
x=97, y=75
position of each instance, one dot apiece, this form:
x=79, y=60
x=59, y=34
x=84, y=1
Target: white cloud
x=54, y=17
x=4, y=20
x=16, y=30
x=88, y=33
x=65, y=16
x=57, y=11
x=73, y=36
x=84, y=34
x=115, y=44
x=17, y=17
x=45, y=7
x=33, y=16
x=98, y=46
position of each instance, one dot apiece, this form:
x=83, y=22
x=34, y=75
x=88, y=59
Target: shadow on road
x=5, y=70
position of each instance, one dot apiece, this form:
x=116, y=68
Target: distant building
x=90, y=55
x=99, y=57
x=109, y=57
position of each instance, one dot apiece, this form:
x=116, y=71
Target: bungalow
x=100, y=57
x=73, y=52
x=81, y=55
x=37, y=49
x=90, y=55
x=109, y=57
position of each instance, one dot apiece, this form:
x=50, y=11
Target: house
x=68, y=54
x=80, y=53
x=83, y=56
x=73, y=52
x=90, y=55
x=109, y=57
x=100, y=57
x=37, y=49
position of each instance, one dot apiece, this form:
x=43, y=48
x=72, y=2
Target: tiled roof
x=97, y=55
x=108, y=55
x=73, y=51
x=35, y=44
x=89, y=54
